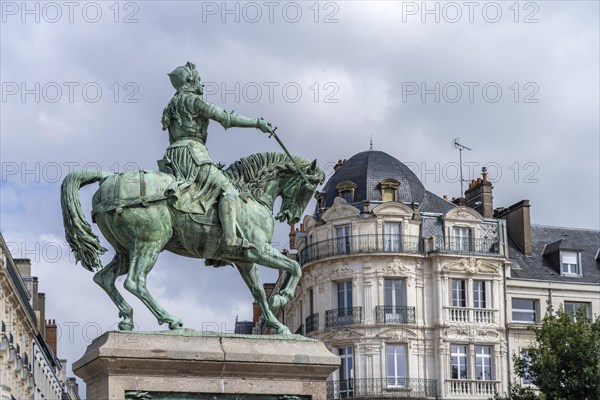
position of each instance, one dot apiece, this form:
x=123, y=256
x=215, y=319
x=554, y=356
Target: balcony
x=383, y=387
x=312, y=323
x=343, y=316
x=485, y=389
x=395, y=315
x=361, y=244
x=454, y=245
x=471, y=315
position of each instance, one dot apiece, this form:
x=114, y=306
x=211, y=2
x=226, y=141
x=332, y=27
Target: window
x=346, y=190
x=311, y=302
x=388, y=194
x=461, y=240
x=395, y=355
x=526, y=379
x=459, y=294
x=458, y=361
x=395, y=301
x=391, y=237
x=483, y=363
x=342, y=239
x=569, y=263
x=347, y=195
x=524, y=310
x=344, y=311
x=346, y=372
x=389, y=189
x=480, y=294
x=572, y=307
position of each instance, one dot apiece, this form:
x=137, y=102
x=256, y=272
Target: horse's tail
x=84, y=243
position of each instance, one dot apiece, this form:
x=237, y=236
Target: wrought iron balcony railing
x=395, y=315
x=382, y=387
x=343, y=316
x=466, y=246
x=312, y=323
x=361, y=244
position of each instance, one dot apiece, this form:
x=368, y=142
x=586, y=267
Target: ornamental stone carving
x=470, y=266
x=395, y=268
x=341, y=271
x=463, y=214
x=340, y=210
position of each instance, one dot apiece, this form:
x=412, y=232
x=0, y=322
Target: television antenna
x=460, y=148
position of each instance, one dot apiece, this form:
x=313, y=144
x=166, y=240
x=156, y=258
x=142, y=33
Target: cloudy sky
x=85, y=85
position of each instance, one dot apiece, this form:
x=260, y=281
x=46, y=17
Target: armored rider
x=199, y=182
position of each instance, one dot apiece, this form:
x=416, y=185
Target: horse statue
x=137, y=217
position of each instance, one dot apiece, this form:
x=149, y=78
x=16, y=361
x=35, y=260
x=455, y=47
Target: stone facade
x=416, y=297
x=28, y=367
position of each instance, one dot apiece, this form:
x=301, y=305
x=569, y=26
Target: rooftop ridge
x=566, y=227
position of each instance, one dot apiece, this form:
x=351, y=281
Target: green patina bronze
x=191, y=207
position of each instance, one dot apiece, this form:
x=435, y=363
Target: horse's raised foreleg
x=106, y=278
x=270, y=257
x=142, y=260
x=250, y=275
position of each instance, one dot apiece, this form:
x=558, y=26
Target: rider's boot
x=231, y=243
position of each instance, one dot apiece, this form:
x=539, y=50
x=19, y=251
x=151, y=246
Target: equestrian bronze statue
x=191, y=207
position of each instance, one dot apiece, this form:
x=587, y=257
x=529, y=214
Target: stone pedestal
x=192, y=365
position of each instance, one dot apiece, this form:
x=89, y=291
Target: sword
x=273, y=134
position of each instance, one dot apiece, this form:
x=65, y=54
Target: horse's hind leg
x=250, y=275
x=106, y=278
x=142, y=260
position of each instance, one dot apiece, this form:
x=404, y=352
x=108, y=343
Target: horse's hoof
x=177, y=323
x=284, y=331
x=125, y=326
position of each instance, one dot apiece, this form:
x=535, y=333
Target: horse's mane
x=249, y=174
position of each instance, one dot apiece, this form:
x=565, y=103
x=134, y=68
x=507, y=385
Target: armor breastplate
x=194, y=129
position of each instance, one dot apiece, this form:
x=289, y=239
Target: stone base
x=193, y=365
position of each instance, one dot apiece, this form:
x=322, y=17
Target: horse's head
x=296, y=192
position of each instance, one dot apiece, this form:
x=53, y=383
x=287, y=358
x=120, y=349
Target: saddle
x=131, y=188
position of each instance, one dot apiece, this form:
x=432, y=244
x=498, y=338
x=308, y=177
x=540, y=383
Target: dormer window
x=569, y=263
x=389, y=189
x=346, y=190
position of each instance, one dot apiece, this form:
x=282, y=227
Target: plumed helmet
x=184, y=75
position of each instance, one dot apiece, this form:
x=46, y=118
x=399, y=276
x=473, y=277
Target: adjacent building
x=422, y=297
x=29, y=367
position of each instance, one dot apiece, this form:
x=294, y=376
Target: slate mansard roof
x=367, y=169
x=546, y=239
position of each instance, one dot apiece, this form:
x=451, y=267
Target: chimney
x=479, y=195
x=339, y=164
x=23, y=266
x=459, y=201
x=42, y=310
x=518, y=224
x=255, y=313
x=34, y=294
x=51, y=335
x=292, y=236
x=446, y=197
